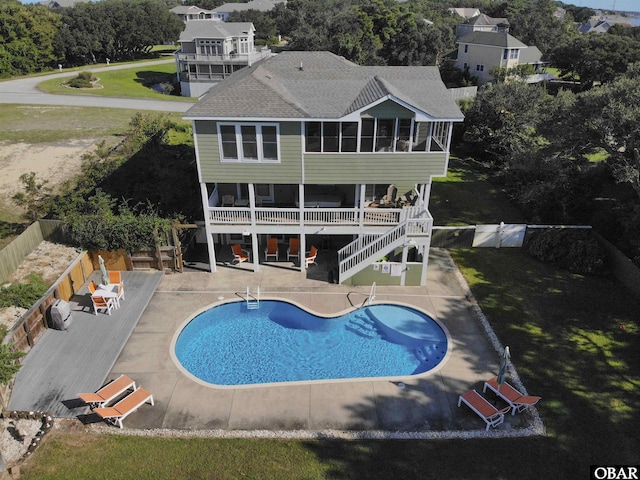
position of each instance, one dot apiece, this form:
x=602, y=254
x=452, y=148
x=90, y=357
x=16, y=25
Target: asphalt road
x=25, y=91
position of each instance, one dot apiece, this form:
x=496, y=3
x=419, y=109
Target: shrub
x=83, y=80
x=577, y=251
x=23, y=295
x=8, y=364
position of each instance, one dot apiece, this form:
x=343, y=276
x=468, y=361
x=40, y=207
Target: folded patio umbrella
x=103, y=271
x=502, y=373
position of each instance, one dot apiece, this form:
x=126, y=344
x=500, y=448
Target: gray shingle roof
x=494, y=39
x=483, y=19
x=212, y=29
x=322, y=85
x=530, y=55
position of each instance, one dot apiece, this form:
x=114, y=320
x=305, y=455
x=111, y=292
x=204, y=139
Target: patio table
x=108, y=291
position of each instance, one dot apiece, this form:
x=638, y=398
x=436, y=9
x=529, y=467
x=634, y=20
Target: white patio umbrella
x=502, y=373
x=103, y=271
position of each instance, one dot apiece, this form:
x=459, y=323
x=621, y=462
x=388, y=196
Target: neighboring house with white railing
x=312, y=146
x=188, y=13
x=210, y=51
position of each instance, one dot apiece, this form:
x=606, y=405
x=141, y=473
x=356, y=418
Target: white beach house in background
x=210, y=51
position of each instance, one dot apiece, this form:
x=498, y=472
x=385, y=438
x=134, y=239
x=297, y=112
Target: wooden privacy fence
x=25, y=334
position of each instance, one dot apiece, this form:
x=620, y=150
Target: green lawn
x=467, y=197
x=574, y=340
x=132, y=82
x=50, y=123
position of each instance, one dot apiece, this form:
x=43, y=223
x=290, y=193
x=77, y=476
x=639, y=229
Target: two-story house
x=481, y=52
x=211, y=51
x=312, y=147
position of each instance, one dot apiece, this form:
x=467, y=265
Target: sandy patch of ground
x=50, y=260
x=50, y=161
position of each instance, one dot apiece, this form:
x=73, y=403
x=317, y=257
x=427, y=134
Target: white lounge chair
x=108, y=393
x=125, y=407
x=476, y=402
x=310, y=257
x=516, y=400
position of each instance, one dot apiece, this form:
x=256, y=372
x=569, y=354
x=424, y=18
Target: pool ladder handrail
x=372, y=294
x=253, y=303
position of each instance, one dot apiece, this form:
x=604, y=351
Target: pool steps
x=363, y=325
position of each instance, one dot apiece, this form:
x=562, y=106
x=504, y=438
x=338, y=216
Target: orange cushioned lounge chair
x=108, y=393
x=516, y=400
x=129, y=404
x=272, y=249
x=115, y=278
x=105, y=303
x=294, y=248
x=490, y=414
x=239, y=254
x=310, y=258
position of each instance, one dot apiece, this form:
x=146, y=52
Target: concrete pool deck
x=424, y=404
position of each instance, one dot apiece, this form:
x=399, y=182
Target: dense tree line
x=565, y=158
x=27, y=35
x=114, y=29
x=35, y=38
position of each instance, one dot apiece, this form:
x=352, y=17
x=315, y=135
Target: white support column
x=363, y=192
x=207, y=228
x=303, y=239
x=255, y=251
x=254, y=235
x=425, y=263
x=405, y=254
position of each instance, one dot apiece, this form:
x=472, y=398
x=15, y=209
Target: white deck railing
x=312, y=216
x=366, y=249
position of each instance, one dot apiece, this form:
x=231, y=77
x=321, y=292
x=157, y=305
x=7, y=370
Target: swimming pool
x=229, y=344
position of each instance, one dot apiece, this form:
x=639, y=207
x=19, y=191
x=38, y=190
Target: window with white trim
x=249, y=142
x=331, y=136
x=374, y=135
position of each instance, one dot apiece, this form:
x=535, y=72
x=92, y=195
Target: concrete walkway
x=426, y=403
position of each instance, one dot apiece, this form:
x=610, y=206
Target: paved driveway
x=25, y=91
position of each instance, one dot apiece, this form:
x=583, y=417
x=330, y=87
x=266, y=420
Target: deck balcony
x=236, y=58
x=311, y=220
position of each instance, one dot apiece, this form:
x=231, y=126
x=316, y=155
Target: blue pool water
x=280, y=342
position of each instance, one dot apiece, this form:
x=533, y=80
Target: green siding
x=413, y=275
x=381, y=168
x=388, y=109
x=289, y=170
